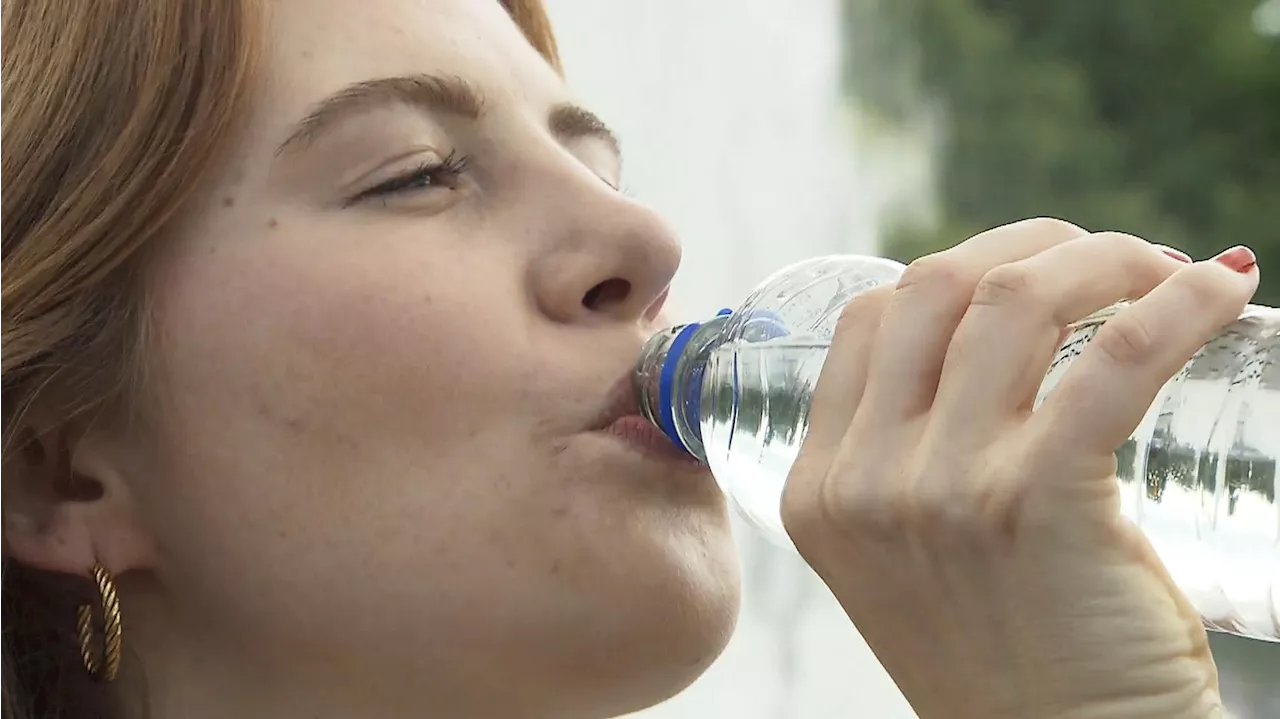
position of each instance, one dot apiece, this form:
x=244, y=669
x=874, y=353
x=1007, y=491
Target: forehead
x=314, y=48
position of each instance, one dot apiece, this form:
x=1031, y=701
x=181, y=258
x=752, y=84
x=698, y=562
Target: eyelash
x=437, y=173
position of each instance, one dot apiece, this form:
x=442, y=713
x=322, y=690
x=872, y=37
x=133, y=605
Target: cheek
x=312, y=398
x=343, y=344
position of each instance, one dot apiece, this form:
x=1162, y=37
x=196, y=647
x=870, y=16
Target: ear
x=67, y=504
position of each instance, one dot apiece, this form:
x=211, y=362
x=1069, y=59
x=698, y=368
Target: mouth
x=620, y=419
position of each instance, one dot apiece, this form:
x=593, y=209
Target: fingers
x=844, y=372
x=929, y=303
x=1002, y=348
x=1106, y=392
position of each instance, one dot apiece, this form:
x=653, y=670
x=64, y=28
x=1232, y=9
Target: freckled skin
x=368, y=470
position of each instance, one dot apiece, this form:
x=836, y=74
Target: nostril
x=607, y=294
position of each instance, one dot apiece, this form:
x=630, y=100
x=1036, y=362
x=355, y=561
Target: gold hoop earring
x=101, y=655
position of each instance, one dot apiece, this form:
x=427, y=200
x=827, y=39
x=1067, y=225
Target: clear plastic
x=1198, y=476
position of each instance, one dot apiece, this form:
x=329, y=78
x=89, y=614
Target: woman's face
x=383, y=347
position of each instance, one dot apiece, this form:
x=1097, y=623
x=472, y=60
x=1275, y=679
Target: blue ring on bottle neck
x=666, y=384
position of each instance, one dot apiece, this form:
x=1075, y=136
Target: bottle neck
x=668, y=380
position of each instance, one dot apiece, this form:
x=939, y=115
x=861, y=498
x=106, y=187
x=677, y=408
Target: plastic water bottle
x=1198, y=476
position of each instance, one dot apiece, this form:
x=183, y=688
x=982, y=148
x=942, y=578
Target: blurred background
x=769, y=132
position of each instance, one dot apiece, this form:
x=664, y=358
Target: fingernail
x=1178, y=255
x=1239, y=258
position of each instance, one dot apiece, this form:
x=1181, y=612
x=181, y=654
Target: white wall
x=731, y=125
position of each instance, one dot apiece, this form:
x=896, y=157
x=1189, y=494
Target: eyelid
x=385, y=168
x=430, y=179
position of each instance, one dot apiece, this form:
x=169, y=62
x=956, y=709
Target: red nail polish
x=1239, y=258
x=1178, y=255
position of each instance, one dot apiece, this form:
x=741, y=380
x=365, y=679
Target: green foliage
x=1160, y=118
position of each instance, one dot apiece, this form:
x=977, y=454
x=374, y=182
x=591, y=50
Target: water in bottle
x=1198, y=476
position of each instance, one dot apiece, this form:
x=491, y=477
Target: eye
x=441, y=173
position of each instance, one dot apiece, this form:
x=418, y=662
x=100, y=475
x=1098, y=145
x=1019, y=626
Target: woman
x=317, y=324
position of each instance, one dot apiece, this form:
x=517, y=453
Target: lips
x=621, y=418
x=619, y=403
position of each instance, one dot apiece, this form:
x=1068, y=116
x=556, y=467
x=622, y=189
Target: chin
x=663, y=625
x=678, y=654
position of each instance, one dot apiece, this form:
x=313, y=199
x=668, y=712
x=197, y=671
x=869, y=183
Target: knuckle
x=1141, y=261
x=937, y=272
x=1130, y=247
x=860, y=503
x=929, y=508
x=1012, y=284
x=941, y=506
x=800, y=515
x=1050, y=228
x=1211, y=288
x=1125, y=340
x=1001, y=511
x=811, y=500
x=925, y=499
x=1123, y=240
x=864, y=309
x=979, y=504
x=883, y=514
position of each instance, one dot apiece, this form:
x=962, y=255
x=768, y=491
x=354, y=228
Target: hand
x=977, y=546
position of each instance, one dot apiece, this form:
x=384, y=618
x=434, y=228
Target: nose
x=610, y=259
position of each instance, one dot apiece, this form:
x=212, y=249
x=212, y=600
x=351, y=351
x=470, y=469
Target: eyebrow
x=450, y=95
x=570, y=122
